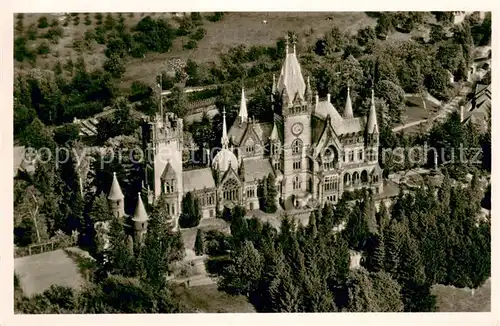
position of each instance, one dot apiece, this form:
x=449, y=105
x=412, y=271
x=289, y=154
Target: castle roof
x=140, y=214
x=291, y=76
x=168, y=172
x=257, y=169
x=197, y=179
x=325, y=108
x=115, y=192
x=224, y=159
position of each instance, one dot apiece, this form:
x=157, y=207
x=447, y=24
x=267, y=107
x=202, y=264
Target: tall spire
x=115, y=192
x=286, y=44
x=308, y=94
x=372, y=125
x=224, y=139
x=140, y=211
x=243, y=114
x=273, y=90
x=348, y=114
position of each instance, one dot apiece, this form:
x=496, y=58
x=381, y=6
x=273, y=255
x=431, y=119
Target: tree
x=199, y=244
x=191, y=213
x=114, y=66
x=66, y=133
x=437, y=33
x=177, y=103
x=394, y=96
x=241, y=276
x=119, y=258
x=271, y=194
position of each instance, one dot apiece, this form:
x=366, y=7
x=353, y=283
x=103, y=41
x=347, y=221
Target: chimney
x=461, y=113
x=328, y=97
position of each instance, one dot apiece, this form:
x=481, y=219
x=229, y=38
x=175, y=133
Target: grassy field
x=208, y=299
x=451, y=299
x=236, y=28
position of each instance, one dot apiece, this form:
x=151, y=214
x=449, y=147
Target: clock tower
x=295, y=95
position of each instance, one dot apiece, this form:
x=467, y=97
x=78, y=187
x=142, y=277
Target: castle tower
x=296, y=112
x=275, y=148
x=116, y=199
x=140, y=220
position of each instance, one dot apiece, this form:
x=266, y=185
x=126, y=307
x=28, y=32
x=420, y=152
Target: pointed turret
x=224, y=140
x=372, y=125
x=116, y=199
x=140, y=214
x=308, y=94
x=243, y=114
x=115, y=192
x=291, y=77
x=274, y=133
x=273, y=89
x=348, y=114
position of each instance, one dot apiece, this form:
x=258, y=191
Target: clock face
x=297, y=128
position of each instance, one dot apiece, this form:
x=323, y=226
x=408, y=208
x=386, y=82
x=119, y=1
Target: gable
x=327, y=138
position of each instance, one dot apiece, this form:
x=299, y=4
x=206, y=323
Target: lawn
x=207, y=299
x=235, y=28
x=451, y=299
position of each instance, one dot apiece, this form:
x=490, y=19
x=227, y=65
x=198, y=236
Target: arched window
x=330, y=158
x=230, y=190
x=364, y=176
x=250, y=146
x=296, y=146
x=296, y=182
x=355, y=177
x=309, y=184
x=347, y=180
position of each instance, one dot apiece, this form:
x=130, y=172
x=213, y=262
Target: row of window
x=330, y=184
x=169, y=186
x=207, y=200
x=331, y=198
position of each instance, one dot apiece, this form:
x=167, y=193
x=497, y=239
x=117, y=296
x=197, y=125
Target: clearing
x=235, y=28
x=452, y=299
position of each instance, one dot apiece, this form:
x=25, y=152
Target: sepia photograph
x=251, y=162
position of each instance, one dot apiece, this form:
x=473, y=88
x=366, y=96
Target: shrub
x=199, y=34
x=190, y=45
x=87, y=20
x=76, y=21
x=43, y=48
x=32, y=32
x=43, y=22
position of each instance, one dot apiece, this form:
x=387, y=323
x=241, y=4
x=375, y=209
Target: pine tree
x=119, y=257
x=392, y=245
x=383, y=217
x=312, y=230
x=270, y=194
x=379, y=255
x=285, y=294
x=199, y=244
x=100, y=209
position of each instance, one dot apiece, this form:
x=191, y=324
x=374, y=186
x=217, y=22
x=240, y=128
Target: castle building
x=315, y=152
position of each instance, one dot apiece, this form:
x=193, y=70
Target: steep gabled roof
x=140, y=214
x=168, y=172
x=291, y=76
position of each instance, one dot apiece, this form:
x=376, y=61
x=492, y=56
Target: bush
x=32, y=32
x=199, y=34
x=43, y=48
x=190, y=45
x=87, y=20
x=216, y=17
x=76, y=21
x=43, y=22
x=54, y=34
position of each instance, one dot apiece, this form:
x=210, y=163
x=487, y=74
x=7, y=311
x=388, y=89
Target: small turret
x=116, y=198
x=140, y=219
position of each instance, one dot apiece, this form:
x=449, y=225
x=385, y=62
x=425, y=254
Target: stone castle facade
x=315, y=152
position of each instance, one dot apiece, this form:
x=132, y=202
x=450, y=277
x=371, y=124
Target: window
x=168, y=208
x=212, y=213
x=297, y=165
x=250, y=192
x=276, y=166
x=274, y=148
x=309, y=184
x=168, y=186
x=250, y=147
x=343, y=157
x=360, y=155
x=230, y=190
x=296, y=147
x=296, y=182
x=351, y=156
x=330, y=184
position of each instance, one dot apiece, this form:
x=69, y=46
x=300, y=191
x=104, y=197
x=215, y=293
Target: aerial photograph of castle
x=246, y=162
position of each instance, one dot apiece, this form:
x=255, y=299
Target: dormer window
x=250, y=147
